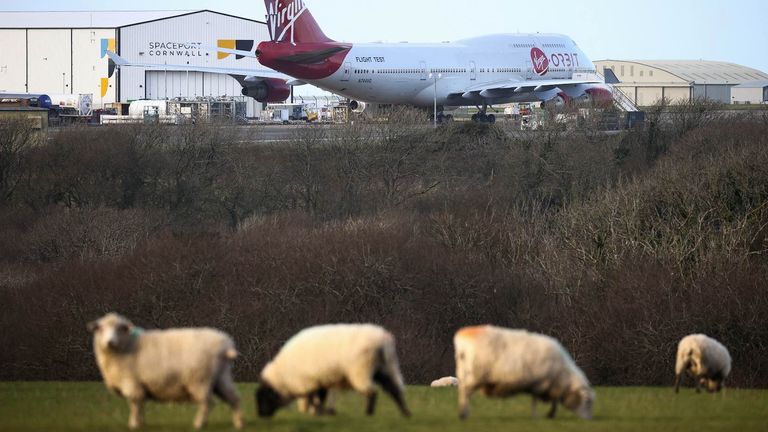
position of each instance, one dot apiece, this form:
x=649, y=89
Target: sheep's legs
x=136, y=417
x=534, y=407
x=226, y=390
x=393, y=390
x=371, y=405
x=203, y=409
x=678, y=377
x=552, y=411
x=464, y=394
x=324, y=403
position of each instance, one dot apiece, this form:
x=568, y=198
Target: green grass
x=89, y=407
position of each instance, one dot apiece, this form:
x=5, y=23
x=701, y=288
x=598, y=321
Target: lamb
x=705, y=359
x=323, y=358
x=501, y=362
x=177, y=365
x=445, y=382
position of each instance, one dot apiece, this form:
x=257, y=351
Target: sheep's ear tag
x=136, y=331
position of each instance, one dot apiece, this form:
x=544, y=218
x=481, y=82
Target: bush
x=618, y=245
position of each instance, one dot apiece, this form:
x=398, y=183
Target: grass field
x=89, y=407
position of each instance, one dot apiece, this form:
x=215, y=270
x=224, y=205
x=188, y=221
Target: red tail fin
x=291, y=21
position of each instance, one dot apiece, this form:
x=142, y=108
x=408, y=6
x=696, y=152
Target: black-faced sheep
x=501, y=363
x=319, y=359
x=705, y=359
x=177, y=365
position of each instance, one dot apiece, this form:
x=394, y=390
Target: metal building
x=646, y=82
x=185, y=40
x=755, y=92
x=62, y=52
x=65, y=53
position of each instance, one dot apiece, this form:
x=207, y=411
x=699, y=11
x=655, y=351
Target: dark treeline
x=618, y=245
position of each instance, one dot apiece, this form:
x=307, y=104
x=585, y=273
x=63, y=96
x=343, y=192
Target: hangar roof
x=80, y=19
x=704, y=71
x=754, y=84
x=90, y=19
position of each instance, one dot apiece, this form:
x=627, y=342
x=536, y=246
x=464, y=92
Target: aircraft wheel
x=474, y=118
x=491, y=118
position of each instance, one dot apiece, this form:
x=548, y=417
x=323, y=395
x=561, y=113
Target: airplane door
x=528, y=70
x=472, y=71
x=423, y=69
x=347, y=71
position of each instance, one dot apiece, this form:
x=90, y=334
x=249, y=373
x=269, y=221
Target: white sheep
x=323, y=358
x=705, y=359
x=501, y=362
x=445, y=382
x=177, y=365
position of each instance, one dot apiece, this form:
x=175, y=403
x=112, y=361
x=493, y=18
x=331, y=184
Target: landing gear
x=483, y=117
x=444, y=118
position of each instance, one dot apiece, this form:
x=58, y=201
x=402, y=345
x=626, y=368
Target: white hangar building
x=65, y=53
x=645, y=82
x=755, y=92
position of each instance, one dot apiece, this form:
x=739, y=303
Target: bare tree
x=16, y=140
x=305, y=166
x=399, y=156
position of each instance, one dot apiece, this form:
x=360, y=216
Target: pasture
x=87, y=406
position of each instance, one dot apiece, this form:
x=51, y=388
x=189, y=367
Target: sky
x=733, y=31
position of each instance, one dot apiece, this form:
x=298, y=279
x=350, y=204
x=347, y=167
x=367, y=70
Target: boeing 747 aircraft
x=482, y=71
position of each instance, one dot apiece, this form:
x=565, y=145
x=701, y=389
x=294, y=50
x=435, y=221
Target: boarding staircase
x=633, y=116
x=619, y=98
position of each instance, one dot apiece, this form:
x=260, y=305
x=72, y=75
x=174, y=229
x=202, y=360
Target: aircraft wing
x=507, y=88
x=236, y=72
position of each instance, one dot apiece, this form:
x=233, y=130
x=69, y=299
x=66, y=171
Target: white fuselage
x=417, y=74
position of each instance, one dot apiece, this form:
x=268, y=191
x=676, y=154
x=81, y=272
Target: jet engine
x=559, y=101
x=591, y=95
x=269, y=90
x=598, y=96
x=356, y=106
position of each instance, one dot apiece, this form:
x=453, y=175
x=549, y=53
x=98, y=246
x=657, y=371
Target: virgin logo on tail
x=539, y=61
x=283, y=17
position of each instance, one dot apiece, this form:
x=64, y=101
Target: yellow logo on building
x=107, y=44
x=234, y=44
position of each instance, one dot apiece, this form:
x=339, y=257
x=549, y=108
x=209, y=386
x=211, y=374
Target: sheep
x=177, y=365
x=445, y=382
x=502, y=362
x=323, y=358
x=705, y=359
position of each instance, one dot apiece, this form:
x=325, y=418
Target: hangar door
x=173, y=84
x=677, y=94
